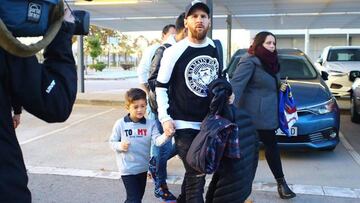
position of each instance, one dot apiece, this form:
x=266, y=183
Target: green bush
x=98, y=66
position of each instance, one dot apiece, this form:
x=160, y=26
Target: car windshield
x=296, y=67
x=344, y=55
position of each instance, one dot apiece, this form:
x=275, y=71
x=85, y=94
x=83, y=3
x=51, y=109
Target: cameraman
x=45, y=90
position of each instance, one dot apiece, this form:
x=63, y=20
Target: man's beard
x=199, y=35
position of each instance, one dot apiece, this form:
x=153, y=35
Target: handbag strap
x=219, y=49
x=12, y=45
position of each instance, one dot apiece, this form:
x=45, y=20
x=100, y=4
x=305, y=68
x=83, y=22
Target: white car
x=338, y=61
x=355, y=97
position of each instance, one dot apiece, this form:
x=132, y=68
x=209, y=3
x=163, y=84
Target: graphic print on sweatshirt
x=200, y=72
x=186, y=69
x=136, y=133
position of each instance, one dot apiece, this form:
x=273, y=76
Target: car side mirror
x=353, y=75
x=324, y=75
x=320, y=61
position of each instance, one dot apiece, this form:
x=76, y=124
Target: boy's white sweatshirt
x=140, y=135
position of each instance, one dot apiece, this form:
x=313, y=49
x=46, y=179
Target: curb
x=99, y=102
x=120, y=78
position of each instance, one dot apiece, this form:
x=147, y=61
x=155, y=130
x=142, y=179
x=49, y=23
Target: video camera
x=30, y=18
x=82, y=22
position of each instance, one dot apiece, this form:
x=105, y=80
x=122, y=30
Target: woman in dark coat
x=256, y=83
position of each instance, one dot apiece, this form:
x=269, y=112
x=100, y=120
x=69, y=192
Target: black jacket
x=217, y=139
x=233, y=180
x=45, y=90
x=155, y=66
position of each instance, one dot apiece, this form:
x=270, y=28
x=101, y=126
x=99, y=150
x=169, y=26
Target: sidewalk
x=106, y=99
x=110, y=74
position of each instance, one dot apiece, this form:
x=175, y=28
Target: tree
x=126, y=46
x=140, y=44
x=94, y=46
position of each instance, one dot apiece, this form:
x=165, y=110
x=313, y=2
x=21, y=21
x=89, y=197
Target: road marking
x=350, y=149
x=66, y=127
x=73, y=172
x=177, y=180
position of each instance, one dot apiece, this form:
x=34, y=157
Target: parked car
x=319, y=116
x=338, y=61
x=354, y=76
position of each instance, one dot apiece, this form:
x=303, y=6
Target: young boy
x=131, y=140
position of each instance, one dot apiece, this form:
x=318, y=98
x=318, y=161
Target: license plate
x=293, y=132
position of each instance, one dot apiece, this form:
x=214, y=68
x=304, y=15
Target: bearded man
x=182, y=97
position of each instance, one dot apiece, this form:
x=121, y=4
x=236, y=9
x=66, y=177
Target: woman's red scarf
x=268, y=59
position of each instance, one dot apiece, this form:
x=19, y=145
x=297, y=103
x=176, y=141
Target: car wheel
x=355, y=117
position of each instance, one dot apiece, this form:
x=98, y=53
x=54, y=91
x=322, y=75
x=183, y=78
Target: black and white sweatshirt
x=185, y=71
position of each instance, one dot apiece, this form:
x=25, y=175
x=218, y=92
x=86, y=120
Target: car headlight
x=336, y=73
x=323, y=108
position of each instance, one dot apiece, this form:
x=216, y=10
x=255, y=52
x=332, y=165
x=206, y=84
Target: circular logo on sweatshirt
x=200, y=72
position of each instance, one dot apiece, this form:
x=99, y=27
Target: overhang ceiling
x=246, y=14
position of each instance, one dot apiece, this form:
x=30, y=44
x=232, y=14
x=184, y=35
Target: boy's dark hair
x=179, y=24
x=134, y=94
x=167, y=28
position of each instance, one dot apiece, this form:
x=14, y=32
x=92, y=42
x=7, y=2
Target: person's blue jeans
x=162, y=154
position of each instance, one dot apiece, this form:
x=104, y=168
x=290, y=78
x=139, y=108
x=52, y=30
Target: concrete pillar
x=209, y=3
x=229, y=27
x=348, y=40
x=80, y=65
x=307, y=42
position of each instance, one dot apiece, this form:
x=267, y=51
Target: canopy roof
x=139, y=15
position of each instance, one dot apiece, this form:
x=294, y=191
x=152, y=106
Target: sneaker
x=164, y=194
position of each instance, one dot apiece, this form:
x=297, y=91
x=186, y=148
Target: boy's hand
x=124, y=145
x=169, y=127
x=168, y=134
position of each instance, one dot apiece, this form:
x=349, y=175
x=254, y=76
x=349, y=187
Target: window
x=296, y=67
x=344, y=55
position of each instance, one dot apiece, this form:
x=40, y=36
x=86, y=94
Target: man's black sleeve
x=47, y=90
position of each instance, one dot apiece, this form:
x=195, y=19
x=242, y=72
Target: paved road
x=71, y=161
x=69, y=189
x=351, y=131
x=77, y=150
